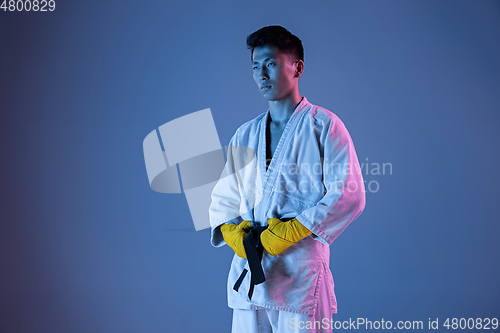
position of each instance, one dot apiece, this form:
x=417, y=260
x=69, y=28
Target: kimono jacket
x=314, y=176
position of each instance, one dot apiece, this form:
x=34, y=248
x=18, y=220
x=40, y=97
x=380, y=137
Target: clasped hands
x=278, y=236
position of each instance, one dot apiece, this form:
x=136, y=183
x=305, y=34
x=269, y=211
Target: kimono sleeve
x=226, y=198
x=344, y=199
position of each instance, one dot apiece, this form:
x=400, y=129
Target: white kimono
x=314, y=175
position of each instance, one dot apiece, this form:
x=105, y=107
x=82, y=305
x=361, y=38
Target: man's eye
x=254, y=67
x=271, y=63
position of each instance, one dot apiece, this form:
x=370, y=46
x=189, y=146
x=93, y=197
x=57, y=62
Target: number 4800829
x=28, y=5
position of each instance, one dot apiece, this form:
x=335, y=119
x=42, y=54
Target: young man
x=307, y=187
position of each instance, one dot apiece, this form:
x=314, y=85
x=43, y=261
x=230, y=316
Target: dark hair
x=279, y=37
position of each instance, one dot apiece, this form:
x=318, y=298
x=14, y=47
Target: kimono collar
x=303, y=105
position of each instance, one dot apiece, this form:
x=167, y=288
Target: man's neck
x=281, y=110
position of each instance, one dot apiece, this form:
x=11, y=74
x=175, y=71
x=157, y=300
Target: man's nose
x=263, y=74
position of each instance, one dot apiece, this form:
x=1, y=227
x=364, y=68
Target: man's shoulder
x=322, y=115
x=251, y=125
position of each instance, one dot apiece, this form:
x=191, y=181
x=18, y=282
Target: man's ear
x=299, y=68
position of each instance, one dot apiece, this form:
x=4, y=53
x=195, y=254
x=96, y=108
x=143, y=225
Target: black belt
x=253, y=251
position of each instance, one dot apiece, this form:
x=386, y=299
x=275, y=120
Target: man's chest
x=276, y=133
x=273, y=137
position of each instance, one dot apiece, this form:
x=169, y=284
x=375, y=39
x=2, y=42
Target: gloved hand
x=280, y=235
x=234, y=234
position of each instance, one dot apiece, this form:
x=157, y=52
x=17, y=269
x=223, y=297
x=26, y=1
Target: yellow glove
x=234, y=234
x=280, y=235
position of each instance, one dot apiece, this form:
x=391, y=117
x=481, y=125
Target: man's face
x=273, y=72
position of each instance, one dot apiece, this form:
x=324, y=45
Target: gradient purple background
x=87, y=246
